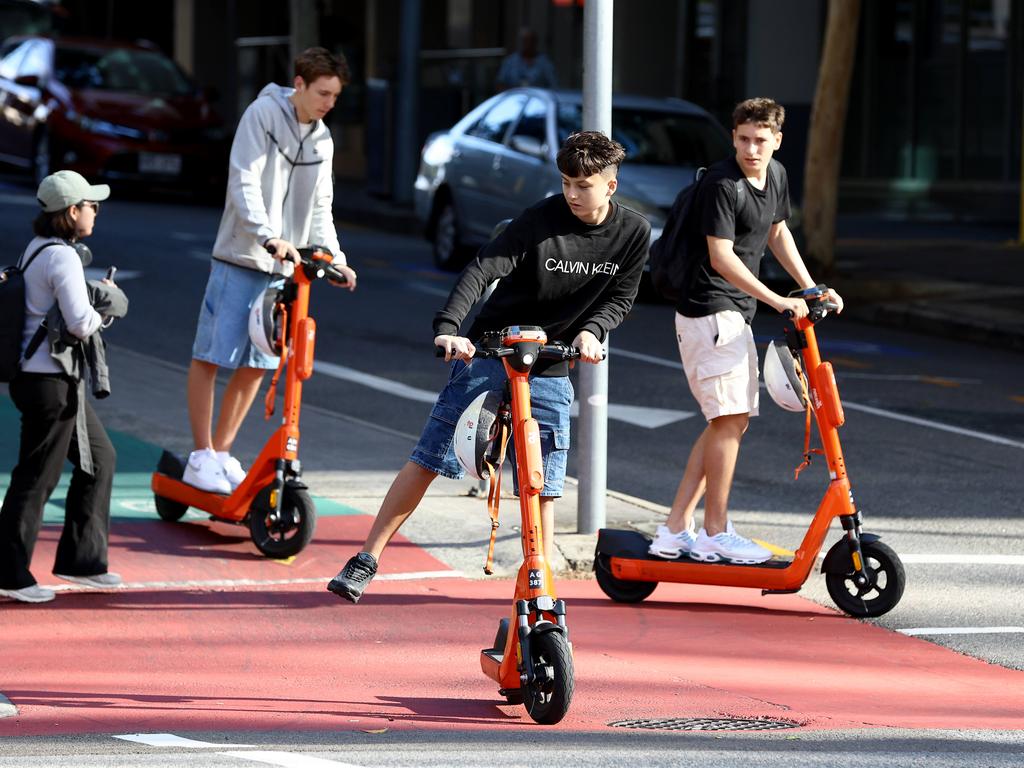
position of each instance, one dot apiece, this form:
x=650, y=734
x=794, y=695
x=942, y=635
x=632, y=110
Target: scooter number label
x=535, y=581
x=292, y=444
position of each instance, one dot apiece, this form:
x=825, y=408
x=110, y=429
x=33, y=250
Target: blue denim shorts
x=550, y=398
x=222, y=333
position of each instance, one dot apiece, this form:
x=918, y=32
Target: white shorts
x=720, y=361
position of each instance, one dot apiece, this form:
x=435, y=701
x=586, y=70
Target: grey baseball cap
x=63, y=189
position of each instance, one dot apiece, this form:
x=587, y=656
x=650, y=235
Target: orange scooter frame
x=864, y=576
x=272, y=500
x=532, y=664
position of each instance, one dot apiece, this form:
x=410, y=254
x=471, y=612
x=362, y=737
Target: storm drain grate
x=706, y=724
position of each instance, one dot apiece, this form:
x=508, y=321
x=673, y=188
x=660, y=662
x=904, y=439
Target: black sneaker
x=354, y=577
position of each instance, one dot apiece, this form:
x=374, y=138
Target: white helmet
x=783, y=378
x=265, y=328
x=476, y=432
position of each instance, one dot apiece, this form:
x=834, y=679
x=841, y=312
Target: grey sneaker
x=354, y=577
x=32, y=594
x=99, y=580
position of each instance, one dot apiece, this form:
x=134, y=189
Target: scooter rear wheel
x=547, y=700
x=171, y=511
x=888, y=580
x=292, y=532
x=620, y=590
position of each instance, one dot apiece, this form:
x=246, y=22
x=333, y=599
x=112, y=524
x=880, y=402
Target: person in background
x=526, y=66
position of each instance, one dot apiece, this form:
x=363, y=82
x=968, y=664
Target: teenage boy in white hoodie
x=279, y=197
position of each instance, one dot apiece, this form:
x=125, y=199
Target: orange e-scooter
x=531, y=659
x=864, y=576
x=272, y=500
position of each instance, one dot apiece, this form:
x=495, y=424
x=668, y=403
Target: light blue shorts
x=222, y=333
x=550, y=398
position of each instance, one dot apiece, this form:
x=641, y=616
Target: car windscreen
x=120, y=69
x=653, y=137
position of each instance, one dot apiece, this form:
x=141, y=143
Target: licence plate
x=168, y=165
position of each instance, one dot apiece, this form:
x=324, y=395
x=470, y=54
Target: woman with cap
x=57, y=422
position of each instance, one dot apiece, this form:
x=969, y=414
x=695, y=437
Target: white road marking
x=288, y=759
x=858, y=407
x=638, y=415
x=375, y=382
x=964, y=559
x=170, y=740
x=238, y=583
x=932, y=424
x=960, y=631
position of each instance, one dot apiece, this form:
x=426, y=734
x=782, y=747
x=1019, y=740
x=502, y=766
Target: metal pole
x=407, y=107
x=593, y=396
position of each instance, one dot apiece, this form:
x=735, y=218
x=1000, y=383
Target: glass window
x=494, y=125
x=656, y=138
x=986, y=142
x=120, y=69
x=534, y=122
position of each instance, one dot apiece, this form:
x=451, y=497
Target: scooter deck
x=633, y=545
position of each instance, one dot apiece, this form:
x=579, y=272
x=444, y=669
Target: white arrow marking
x=637, y=415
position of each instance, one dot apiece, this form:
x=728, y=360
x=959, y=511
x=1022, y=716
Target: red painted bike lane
x=209, y=635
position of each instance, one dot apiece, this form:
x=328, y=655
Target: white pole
x=593, y=395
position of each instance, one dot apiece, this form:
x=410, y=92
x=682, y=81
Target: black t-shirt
x=555, y=272
x=720, y=212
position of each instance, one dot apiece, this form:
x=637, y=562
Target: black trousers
x=48, y=406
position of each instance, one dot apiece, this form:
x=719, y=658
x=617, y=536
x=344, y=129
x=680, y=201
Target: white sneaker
x=232, y=468
x=33, y=594
x=670, y=545
x=99, y=581
x=205, y=472
x=728, y=546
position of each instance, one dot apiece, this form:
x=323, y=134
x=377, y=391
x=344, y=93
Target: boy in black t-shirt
x=570, y=264
x=742, y=205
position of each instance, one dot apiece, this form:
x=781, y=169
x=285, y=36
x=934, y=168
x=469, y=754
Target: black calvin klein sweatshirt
x=554, y=271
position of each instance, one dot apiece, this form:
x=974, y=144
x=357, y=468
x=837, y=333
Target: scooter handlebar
x=548, y=351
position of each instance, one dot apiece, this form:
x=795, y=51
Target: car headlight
x=105, y=128
x=439, y=151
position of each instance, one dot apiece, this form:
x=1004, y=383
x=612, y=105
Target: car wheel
x=41, y=156
x=447, y=238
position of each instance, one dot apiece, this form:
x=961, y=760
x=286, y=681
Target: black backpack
x=12, y=317
x=672, y=268
x=668, y=258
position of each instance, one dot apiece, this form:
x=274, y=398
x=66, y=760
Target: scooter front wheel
x=288, y=534
x=620, y=590
x=548, y=698
x=881, y=594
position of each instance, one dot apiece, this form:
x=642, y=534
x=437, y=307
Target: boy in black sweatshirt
x=570, y=264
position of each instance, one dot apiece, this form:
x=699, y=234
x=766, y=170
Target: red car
x=116, y=111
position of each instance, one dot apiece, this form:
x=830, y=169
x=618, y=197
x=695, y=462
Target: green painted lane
x=136, y=460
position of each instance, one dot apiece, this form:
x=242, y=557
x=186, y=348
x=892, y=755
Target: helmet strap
x=807, y=444
x=494, y=492
x=271, y=398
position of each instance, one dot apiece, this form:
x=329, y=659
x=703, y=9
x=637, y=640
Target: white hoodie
x=280, y=184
